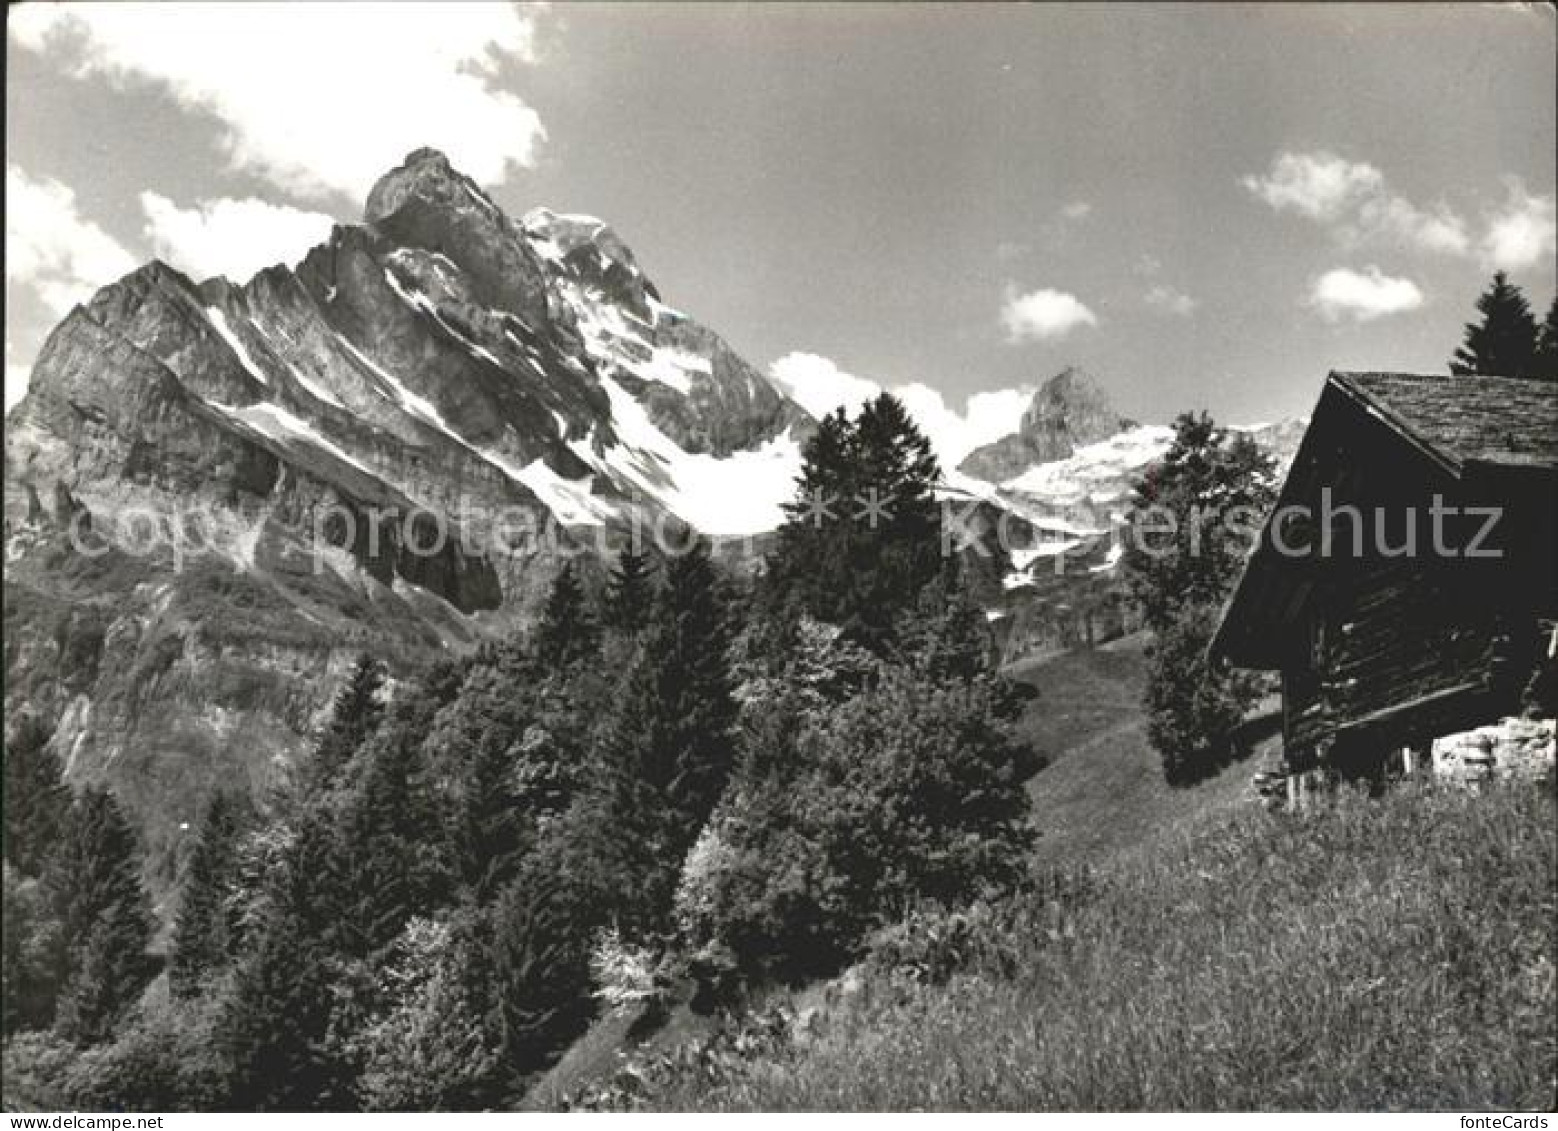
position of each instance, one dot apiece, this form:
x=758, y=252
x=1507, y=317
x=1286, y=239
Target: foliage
x=567, y=632
x=166, y=1060
x=204, y=933
x=1544, y=362
x=1503, y=343
x=861, y=537
x=624, y=973
x=429, y=1048
x=1194, y=702
x=837, y=823
x=629, y=592
x=36, y=800
x=1191, y=517
x=353, y=716
x=34, y=963
x=669, y=746
x=1366, y=955
x=103, y=916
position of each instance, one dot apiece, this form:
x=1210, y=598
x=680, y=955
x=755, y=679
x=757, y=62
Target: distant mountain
x=217, y=494
x=439, y=363
x=1070, y=410
x=1067, y=472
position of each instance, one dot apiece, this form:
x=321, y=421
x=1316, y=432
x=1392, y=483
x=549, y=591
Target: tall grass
x=1392, y=954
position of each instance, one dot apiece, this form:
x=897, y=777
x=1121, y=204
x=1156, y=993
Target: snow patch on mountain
x=737, y=496
x=218, y=322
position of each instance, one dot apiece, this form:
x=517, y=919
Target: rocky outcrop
x=1511, y=748
x=389, y=446
x=1070, y=411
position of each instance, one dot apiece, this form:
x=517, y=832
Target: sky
x=1203, y=206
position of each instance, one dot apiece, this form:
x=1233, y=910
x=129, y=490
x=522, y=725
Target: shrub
x=838, y=823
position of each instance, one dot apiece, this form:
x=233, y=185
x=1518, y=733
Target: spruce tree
x=36, y=799
x=629, y=592
x=948, y=637
x=669, y=747
x=203, y=933
x=103, y=916
x=1209, y=490
x=391, y=866
x=34, y=961
x=354, y=714
x=1503, y=343
x=862, y=535
x=274, y=1025
x=567, y=633
x=1545, y=362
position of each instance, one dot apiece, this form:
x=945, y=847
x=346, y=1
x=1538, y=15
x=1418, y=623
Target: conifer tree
x=862, y=535
x=1190, y=514
x=1212, y=490
x=103, y=916
x=668, y=750
x=353, y=716
x=949, y=637
x=629, y=593
x=391, y=866
x=539, y=946
x=33, y=964
x=567, y=633
x=274, y=1025
x=1503, y=343
x=203, y=933
x=1545, y=363
x=36, y=799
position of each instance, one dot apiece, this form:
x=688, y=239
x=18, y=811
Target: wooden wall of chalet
x=1399, y=649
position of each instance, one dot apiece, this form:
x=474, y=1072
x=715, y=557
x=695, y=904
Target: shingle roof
x=1459, y=420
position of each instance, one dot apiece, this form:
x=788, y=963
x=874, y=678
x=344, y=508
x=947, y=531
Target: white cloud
x=51, y=248
x=985, y=417
x=317, y=98
x=1361, y=209
x=1342, y=293
x=1318, y=185
x=1043, y=314
x=16, y=377
x=1394, y=220
x=1521, y=232
x=1172, y=301
x=235, y=238
x=818, y=385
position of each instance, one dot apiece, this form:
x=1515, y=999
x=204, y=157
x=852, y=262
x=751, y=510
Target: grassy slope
x=1395, y=954
x=1103, y=792
x=1370, y=955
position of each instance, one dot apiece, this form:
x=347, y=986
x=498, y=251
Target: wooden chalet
x=1388, y=641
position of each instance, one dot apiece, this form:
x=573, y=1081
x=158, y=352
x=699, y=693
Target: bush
x=1194, y=703
x=838, y=823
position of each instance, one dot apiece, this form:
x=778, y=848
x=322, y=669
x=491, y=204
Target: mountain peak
x=425, y=176
x=1069, y=411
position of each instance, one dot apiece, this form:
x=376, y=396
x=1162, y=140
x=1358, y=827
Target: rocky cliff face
x=217, y=493
x=1069, y=411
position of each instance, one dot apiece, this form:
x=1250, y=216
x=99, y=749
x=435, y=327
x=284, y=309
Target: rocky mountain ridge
x=217, y=494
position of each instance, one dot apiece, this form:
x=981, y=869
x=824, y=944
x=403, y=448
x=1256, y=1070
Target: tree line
x=680, y=781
